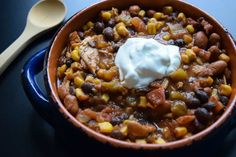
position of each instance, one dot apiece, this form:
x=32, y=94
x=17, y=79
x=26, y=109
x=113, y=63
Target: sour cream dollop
x=141, y=61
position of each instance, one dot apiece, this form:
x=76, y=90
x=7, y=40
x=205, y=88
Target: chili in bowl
x=139, y=76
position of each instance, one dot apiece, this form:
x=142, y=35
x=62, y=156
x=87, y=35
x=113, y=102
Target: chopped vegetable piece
x=105, y=127
x=180, y=132
x=225, y=90
x=179, y=75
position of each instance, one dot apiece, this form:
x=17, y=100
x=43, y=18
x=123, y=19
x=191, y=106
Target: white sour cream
x=141, y=61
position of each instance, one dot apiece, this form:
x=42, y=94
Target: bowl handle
x=38, y=99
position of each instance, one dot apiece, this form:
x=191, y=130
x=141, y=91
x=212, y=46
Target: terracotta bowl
x=90, y=13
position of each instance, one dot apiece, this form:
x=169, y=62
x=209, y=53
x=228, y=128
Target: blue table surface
x=22, y=131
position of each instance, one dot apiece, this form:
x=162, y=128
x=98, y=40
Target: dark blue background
x=22, y=132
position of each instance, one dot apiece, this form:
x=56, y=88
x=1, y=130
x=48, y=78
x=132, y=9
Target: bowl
x=42, y=103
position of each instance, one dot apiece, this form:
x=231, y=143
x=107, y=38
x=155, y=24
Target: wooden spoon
x=43, y=16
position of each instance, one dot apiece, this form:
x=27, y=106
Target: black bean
x=179, y=42
x=170, y=18
x=171, y=42
x=119, y=119
x=209, y=105
x=108, y=33
x=201, y=95
x=193, y=103
x=117, y=134
x=111, y=22
x=98, y=27
x=167, y=93
x=69, y=62
x=81, y=35
x=224, y=99
x=115, y=47
x=131, y=31
x=116, y=120
x=198, y=126
x=202, y=115
x=72, y=90
x=87, y=88
x=145, y=20
x=142, y=116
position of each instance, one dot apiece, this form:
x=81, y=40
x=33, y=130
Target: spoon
x=43, y=16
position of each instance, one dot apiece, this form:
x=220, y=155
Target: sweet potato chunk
x=138, y=130
x=156, y=97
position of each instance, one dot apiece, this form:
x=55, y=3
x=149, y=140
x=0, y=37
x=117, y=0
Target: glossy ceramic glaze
x=90, y=13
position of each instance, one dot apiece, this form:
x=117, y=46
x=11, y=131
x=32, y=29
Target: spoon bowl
x=46, y=14
x=42, y=17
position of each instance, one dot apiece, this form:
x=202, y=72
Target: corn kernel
x=105, y=127
x=75, y=55
x=158, y=15
x=89, y=78
x=190, y=28
x=160, y=141
x=143, y=102
x=108, y=75
x=152, y=20
x=100, y=73
x=78, y=81
x=180, y=132
x=225, y=90
x=224, y=57
x=97, y=81
x=106, y=15
x=185, y=58
x=210, y=80
x=175, y=95
x=69, y=73
x=141, y=141
x=168, y=10
x=151, y=28
x=80, y=94
x=105, y=97
x=119, y=24
x=187, y=39
x=85, y=27
x=61, y=70
x=160, y=24
x=122, y=31
x=181, y=17
x=75, y=65
x=76, y=47
x=141, y=13
x=124, y=130
x=190, y=54
x=166, y=37
x=214, y=92
x=179, y=75
x=90, y=24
